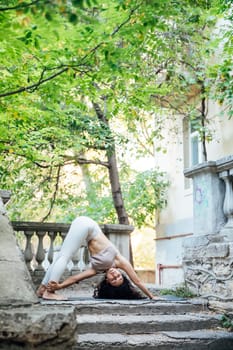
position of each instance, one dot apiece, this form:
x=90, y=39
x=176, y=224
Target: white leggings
x=81, y=231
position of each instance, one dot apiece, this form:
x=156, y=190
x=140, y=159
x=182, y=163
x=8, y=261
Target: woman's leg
x=79, y=230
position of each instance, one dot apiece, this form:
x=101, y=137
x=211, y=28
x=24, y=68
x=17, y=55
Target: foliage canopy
x=129, y=56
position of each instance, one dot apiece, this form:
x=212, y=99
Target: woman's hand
x=52, y=286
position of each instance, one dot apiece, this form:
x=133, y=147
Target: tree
x=220, y=72
x=201, y=69
x=60, y=56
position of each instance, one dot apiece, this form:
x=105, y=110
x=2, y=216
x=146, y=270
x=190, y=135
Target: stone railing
x=41, y=241
x=208, y=254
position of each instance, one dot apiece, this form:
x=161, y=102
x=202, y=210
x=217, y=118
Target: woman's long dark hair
x=104, y=290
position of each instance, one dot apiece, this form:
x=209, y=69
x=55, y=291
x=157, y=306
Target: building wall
x=176, y=220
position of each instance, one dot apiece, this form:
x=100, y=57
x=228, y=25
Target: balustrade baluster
x=63, y=236
x=40, y=254
x=28, y=254
x=75, y=260
x=86, y=256
x=52, y=236
x=227, y=177
x=82, y=263
x=80, y=260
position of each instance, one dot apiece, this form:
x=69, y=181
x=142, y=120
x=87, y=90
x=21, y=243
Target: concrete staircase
x=141, y=325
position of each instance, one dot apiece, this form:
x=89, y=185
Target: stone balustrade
x=41, y=241
x=208, y=254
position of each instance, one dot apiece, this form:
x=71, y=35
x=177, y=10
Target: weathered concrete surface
x=185, y=328
x=145, y=323
x=164, y=324
x=208, y=255
x=221, y=307
x=38, y=327
x=24, y=323
x=16, y=285
x=208, y=197
x=139, y=307
x=195, y=340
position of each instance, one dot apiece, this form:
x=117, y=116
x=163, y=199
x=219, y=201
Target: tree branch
x=116, y=30
x=67, y=160
x=54, y=194
x=42, y=80
x=163, y=100
x=81, y=160
x=34, y=86
x=22, y=6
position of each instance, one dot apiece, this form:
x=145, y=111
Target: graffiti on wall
x=201, y=196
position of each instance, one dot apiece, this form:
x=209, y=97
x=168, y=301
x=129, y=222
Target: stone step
x=128, y=307
x=194, y=340
x=142, y=307
x=133, y=324
x=146, y=324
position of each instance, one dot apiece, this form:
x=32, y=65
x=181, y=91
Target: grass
x=227, y=322
x=181, y=292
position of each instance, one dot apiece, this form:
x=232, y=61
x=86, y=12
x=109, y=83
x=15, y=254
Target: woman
x=104, y=258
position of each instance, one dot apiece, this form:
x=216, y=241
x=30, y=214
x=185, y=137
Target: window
x=192, y=148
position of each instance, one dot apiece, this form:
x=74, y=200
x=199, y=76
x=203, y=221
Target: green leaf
x=73, y=18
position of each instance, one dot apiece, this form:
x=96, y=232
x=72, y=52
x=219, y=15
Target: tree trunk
x=203, y=122
x=113, y=174
x=116, y=190
x=114, y=179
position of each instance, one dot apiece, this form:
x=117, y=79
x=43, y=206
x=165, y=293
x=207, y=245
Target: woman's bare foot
x=40, y=291
x=52, y=296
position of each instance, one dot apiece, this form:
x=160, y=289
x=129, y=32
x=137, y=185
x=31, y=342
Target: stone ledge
x=224, y=163
x=209, y=167
x=63, y=228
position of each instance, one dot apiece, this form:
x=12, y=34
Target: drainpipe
x=161, y=267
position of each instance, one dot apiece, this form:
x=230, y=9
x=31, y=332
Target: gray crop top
x=105, y=259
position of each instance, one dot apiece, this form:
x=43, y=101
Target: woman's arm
x=123, y=264
x=52, y=285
